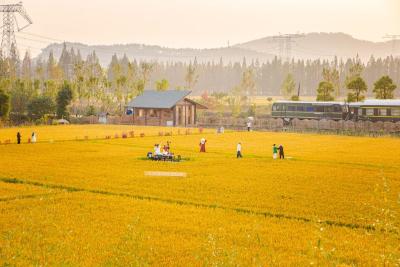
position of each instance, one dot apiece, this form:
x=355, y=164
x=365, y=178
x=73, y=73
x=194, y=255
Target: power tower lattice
x=394, y=38
x=285, y=44
x=10, y=24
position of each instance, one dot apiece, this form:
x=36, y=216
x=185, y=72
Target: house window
x=152, y=113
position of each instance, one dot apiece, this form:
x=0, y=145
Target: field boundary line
x=29, y=196
x=193, y=204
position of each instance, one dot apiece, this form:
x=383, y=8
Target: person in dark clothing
x=281, y=152
x=19, y=138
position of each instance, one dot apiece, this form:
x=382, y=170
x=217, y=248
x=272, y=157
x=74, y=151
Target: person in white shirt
x=33, y=140
x=239, y=150
x=157, y=150
x=249, y=126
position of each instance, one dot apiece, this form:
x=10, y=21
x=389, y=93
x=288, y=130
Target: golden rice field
x=74, y=201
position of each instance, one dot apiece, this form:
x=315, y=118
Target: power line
x=10, y=25
x=394, y=38
x=51, y=41
x=285, y=42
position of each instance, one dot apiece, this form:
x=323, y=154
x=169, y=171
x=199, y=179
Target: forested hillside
x=95, y=88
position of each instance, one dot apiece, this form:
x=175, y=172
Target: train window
x=360, y=112
x=274, y=107
x=337, y=109
x=319, y=109
x=300, y=108
x=291, y=108
x=396, y=112
x=369, y=111
x=310, y=109
x=382, y=112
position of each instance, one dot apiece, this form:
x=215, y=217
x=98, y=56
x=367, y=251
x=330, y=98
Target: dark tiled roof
x=155, y=99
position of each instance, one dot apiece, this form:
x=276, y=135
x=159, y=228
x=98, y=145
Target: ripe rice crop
x=334, y=201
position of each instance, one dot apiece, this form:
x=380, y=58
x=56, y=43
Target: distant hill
x=162, y=54
x=325, y=46
x=310, y=46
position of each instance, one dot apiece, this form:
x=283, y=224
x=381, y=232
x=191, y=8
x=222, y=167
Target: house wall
x=182, y=114
x=152, y=117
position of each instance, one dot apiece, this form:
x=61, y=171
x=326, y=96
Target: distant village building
x=103, y=118
x=167, y=108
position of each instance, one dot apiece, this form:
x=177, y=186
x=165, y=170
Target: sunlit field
x=69, y=200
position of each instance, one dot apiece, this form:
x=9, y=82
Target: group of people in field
x=33, y=138
x=276, y=150
x=165, y=150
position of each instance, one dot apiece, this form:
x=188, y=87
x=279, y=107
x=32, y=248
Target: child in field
x=274, y=152
x=281, y=152
x=203, y=142
x=239, y=150
x=33, y=139
x=19, y=138
x=167, y=147
x=249, y=126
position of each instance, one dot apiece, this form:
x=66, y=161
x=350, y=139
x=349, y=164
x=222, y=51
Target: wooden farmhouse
x=167, y=108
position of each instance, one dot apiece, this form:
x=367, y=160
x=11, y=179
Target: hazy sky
x=203, y=23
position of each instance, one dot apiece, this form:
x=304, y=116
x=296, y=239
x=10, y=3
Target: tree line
x=32, y=90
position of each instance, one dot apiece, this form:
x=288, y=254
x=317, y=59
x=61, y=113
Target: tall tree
x=384, y=88
x=64, y=98
x=355, y=70
x=4, y=105
x=288, y=86
x=65, y=63
x=40, y=106
x=146, y=69
x=248, y=83
x=324, y=91
x=162, y=85
x=191, y=77
x=332, y=76
x=357, y=88
x=26, y=70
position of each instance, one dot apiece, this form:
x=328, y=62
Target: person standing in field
x=281, y=152
x=19, y=138
x=274, y=152
x=239, y=150
x=249, y=126
x=203, y=142
x=33, y=139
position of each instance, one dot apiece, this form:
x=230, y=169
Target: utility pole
x=394, y=38
x=285, y=44
x=10, y=24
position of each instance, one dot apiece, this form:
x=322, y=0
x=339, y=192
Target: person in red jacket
x=203, y=142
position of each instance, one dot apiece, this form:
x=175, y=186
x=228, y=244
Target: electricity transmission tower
x=10, y=24
x=285, y=44
x=394, y=38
